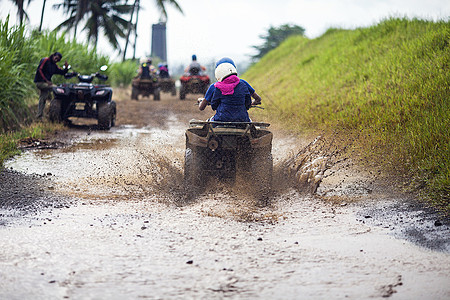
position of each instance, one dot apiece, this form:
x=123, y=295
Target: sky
x=212, y=29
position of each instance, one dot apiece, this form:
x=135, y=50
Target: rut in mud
x=111, y=218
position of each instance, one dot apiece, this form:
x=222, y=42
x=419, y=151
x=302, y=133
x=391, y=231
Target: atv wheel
x=262, y=168
x=182, y=93
x=134, y=93
x=193, y=175
x=106, y=116
x=157, y=94
x=55, y=112
x=113, y=116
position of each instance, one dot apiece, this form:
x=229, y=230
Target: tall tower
x=159, y=47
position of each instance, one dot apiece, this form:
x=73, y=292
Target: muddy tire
x=193, y=173
x=55, y=111
x=106, y=114
x=174, y=91
x=157, y=94
x=134, y=93
x=182, y=93
x=262, y=169
x=114, y=113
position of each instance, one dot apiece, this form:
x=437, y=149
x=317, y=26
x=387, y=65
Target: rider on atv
x=163, y=70
x=146, y=69
x=230, y=96
x=194, y=67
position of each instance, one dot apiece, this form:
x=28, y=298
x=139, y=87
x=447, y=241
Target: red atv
x=194, y=82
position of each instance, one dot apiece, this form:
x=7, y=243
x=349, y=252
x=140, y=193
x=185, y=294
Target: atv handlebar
x=199, y=100
x=87, y=78
x=101, y=76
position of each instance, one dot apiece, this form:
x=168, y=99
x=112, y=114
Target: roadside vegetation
x=388, y=84
x=20, y=53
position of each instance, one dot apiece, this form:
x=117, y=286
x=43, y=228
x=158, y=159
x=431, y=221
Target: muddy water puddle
x=131, y=233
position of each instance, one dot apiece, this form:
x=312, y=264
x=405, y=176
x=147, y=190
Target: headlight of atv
x=59, y=90
x=100, y=93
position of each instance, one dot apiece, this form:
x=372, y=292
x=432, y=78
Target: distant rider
x=43, y=78
x=194, y=67
x=146, y=69
x=163, y=70
x=230, y=96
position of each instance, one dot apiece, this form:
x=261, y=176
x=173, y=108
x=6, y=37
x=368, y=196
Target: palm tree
x=71, y=8
x=100, y=15
x=160, y=4
x=21, y=10
x=106, y=14
x=42, y=15
x=82, y=8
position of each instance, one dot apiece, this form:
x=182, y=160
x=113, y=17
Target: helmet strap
x=228, y=76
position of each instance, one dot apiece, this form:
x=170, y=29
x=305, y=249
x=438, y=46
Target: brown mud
x=105, y=215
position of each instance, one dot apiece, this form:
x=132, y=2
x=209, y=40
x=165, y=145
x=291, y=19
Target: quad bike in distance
x=167, y=85
x=194, y=82
x=84, y=100
x=145, y=87
x=223, y=150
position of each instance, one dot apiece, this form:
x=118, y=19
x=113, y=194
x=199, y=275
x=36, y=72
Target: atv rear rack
x=193, y=123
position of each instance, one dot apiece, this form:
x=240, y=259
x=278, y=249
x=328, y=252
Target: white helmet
x=224, y=68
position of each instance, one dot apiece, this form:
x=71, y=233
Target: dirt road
x=105, y=215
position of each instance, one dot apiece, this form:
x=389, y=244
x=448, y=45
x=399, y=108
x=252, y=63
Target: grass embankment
x=20, y=53
x=388, y=83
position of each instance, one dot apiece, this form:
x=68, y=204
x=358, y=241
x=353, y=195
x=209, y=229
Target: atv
x=145, y=87
x=84, y=100
x=167, y=85
x=223, y=150
x=193, y=82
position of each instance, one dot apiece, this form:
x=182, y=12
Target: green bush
x=122, y=73
x=16, y=80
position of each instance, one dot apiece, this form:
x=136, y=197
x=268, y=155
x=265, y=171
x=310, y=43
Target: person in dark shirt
x=194, y=67
x=146, y=69
x=43, y=78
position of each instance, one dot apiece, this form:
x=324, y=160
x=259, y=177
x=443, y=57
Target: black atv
x=146, y=87
x=167, y=85
x=84, y=100
x=221, y=150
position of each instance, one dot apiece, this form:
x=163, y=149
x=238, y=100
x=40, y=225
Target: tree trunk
x=135, y=28
x=129, y=31
x=42, y=15
x=21, y=11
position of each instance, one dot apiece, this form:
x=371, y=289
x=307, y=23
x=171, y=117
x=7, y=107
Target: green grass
x=9, y=141
x=122, y=73
x=389, y=82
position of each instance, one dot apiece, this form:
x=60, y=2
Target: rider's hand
x=66, y=65
x=254, y=102
x=202, y=103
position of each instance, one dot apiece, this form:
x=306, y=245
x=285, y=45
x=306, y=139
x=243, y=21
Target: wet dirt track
x=107, y=217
